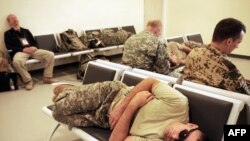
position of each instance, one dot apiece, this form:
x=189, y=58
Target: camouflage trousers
x=87, y=105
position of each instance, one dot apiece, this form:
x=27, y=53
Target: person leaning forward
x=22, y=45
x=210, y=65
x=112, y=104
x=146, y=51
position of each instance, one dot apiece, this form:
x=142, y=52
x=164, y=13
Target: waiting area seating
x=51, y=42
x=209, y=109
x=98, y=72
x=156, y=75
x=178, y=39
x=196, y=37
x=244, y=117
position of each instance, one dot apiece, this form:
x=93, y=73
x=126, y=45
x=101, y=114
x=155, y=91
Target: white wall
x=152, y=10
x=189, y=16
x=53, y=16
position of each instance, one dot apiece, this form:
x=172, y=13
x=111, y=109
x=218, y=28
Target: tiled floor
x=21, y=117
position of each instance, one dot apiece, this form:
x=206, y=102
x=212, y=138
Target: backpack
x=70, y=41
x=6, y=76
x=111, y=37
x=83, y=64
x=92, y=39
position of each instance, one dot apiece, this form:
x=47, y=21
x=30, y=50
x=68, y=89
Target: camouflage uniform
x=145, y=51
x=92, y=39
x=210, y=67
x=87, y=105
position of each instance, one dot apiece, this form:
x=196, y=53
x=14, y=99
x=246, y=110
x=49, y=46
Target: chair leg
x=57, y=126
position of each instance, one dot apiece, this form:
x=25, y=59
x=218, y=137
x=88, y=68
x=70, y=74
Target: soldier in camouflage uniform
x=210, y=65
x=87, y=105
x=146, y=51
x=99, y=104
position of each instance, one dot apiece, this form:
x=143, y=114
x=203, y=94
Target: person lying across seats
x=151, y=106
x=180, y=51
x=210, y=65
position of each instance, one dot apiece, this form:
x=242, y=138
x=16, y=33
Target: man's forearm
x=121, y=129
x=145, y=85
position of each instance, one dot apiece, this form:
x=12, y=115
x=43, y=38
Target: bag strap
x=57, y=126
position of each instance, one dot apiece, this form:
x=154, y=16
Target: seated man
x=146, y=51
x=210, y=65
x=22, y=45
x=112, y=104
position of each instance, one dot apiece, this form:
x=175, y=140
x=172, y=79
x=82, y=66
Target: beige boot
x=59, y=89
x=29, y=85
x=48, y=80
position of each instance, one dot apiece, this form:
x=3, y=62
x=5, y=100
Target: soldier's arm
x=121, y=131
x=233, y=79
x=185, y=48
x=162, y=64
x=145, y=85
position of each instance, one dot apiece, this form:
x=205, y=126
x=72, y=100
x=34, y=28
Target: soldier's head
x=183, y=132
x=13, y=21
x=230, y=33
x=155, y=27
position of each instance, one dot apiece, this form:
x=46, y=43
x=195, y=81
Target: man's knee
x=50, y=54
x=18, y=62
x=46, y=53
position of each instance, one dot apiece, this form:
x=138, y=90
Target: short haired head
x=13, y=21
x=184, y=132
x=228, y=28
x=155, y=27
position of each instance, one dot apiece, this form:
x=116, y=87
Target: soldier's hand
x=141, y=99
x=114, y=117
x=174, y=60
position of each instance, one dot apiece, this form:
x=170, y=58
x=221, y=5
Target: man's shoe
x=48, y=80
x=29, y=85
x=59, y=89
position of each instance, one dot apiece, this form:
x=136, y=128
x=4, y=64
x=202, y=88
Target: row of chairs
x=51, y=42
x=196, y=37
x=210, y=108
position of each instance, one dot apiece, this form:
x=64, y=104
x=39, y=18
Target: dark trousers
x=5, y=81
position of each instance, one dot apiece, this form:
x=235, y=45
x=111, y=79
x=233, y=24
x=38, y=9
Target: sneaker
x=48, y=80
x=29, y=85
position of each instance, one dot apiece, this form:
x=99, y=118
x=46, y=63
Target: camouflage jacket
x=210, y=67
x=145, y=51
x=87, y=105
